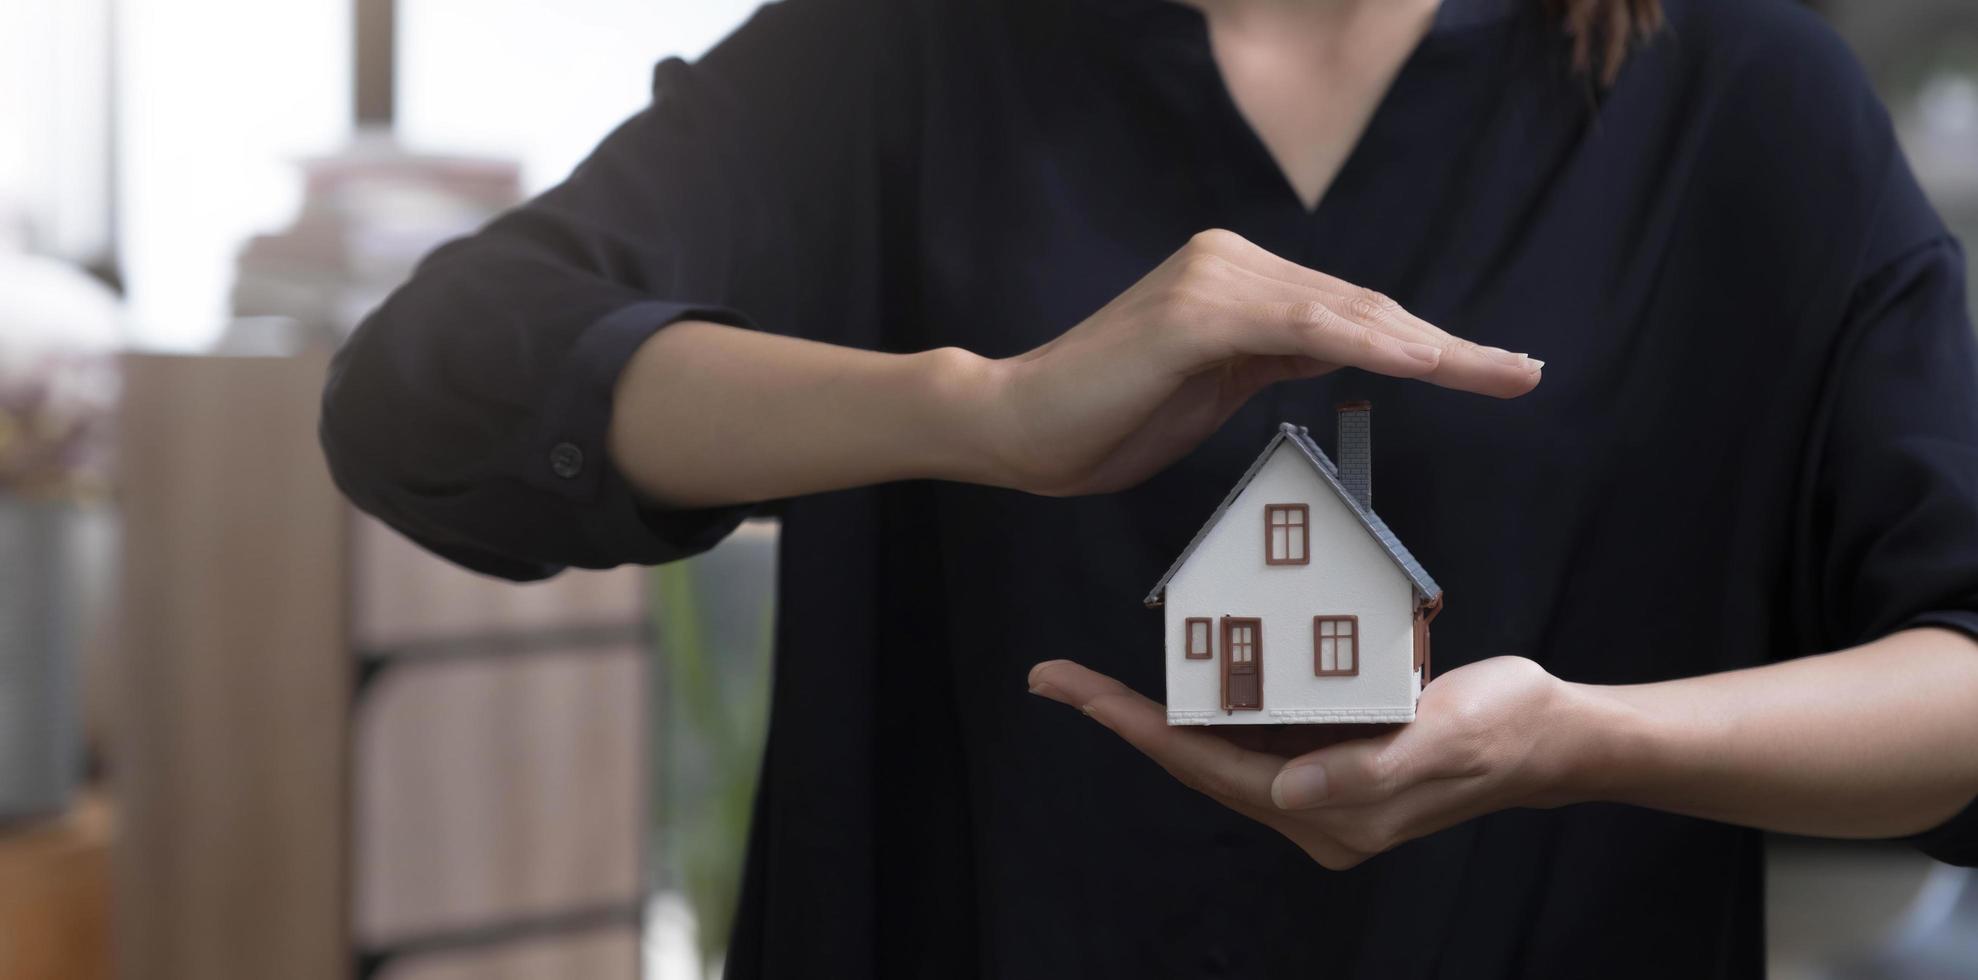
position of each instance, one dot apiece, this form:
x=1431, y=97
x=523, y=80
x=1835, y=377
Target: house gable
x=1326, y=490
x=1235, y=548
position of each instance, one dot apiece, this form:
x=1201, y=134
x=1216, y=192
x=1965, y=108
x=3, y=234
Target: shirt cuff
x=1955, y=841
x=564, y=453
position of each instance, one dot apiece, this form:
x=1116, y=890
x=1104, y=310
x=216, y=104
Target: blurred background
x=248, y=733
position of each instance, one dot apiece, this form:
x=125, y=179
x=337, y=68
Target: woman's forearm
x=706, y=415
x=1876, y=741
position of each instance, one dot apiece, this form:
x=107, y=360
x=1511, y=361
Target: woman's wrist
x=1588, y=742
x=1621, y=744
x=956, y=416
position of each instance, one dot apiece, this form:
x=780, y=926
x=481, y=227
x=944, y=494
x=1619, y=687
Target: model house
x=1295, y=603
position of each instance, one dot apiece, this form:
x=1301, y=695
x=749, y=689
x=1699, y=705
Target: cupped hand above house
x=707, y=414
x=1486, y=737
x=1152, y=373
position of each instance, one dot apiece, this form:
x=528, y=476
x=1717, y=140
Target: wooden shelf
x=336, y=755
x=55, y=896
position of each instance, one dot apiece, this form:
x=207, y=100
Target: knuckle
x=1369, y=306
x=1312, y=315
x=1214, y=240
x=1372, y=773
x=1203, y=267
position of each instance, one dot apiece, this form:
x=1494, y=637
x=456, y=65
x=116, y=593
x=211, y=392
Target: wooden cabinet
x=337, y=755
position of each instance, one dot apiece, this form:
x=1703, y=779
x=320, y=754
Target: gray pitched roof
x=1425, y=586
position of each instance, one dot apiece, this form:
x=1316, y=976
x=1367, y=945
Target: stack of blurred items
x=369, y=213
x=59, y=330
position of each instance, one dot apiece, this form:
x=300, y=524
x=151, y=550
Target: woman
x=850, y=262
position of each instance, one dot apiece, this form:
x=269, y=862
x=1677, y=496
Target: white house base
x=1348, y=716
x=1308, y=716
x=1302, y=716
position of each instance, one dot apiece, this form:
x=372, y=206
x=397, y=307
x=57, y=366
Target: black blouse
x=1757, y=438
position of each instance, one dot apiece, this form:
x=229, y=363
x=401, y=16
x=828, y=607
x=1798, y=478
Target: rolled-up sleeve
x=1893, y=517
x=470, y=411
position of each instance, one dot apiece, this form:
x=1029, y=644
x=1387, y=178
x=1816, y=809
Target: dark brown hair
x=1603, y=31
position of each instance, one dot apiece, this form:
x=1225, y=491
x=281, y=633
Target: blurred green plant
x=713, y=622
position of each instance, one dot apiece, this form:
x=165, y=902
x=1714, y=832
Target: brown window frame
x=1303, y=526
x=1353, y=628
x=1208, y=638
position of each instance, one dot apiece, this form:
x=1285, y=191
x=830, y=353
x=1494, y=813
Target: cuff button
x=566, y=460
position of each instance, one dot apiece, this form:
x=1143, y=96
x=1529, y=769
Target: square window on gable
x=1287, y=530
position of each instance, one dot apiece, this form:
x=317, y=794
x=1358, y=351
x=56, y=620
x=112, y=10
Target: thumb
x=1352, y=773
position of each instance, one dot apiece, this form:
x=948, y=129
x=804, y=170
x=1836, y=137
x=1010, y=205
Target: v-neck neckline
x=1230, y=142
x=1259, y=149
x=1451, y=17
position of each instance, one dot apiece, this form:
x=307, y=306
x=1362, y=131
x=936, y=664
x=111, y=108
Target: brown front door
x=1243, y=650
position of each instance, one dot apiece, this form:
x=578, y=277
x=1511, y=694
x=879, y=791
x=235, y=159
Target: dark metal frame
x=375, y=78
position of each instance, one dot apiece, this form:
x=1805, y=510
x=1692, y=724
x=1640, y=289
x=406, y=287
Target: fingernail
x=1300, y=788
x=1504, y=356
x=1534, y=363
x=1426, y=353
x=1044, y=690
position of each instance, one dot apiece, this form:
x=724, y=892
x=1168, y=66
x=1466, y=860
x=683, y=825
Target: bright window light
x=540, y=82
x=217, y=100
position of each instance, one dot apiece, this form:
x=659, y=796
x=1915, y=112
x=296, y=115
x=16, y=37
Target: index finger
x=1464, y=365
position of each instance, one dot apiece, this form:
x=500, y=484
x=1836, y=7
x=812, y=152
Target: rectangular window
x=1198, y=639
x=1285, y=529
x=1335, y=646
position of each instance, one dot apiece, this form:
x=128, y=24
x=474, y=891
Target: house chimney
x=1356, y=451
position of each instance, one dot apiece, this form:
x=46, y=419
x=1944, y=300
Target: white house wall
x=1349, y=574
